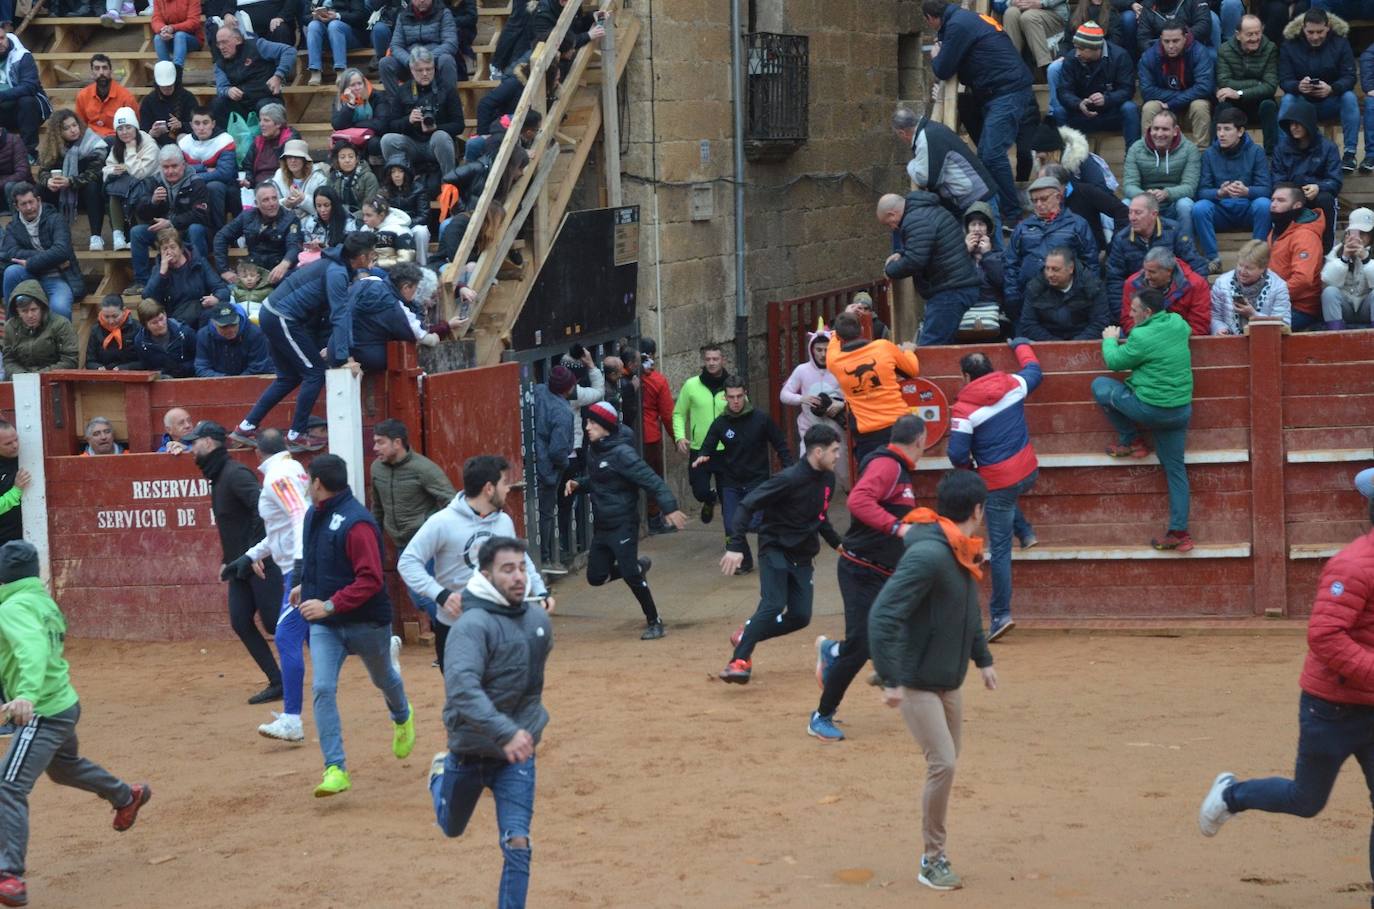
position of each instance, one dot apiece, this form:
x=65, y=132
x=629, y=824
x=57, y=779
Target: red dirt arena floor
x=660, y=786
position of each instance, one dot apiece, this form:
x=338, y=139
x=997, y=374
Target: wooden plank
x=1329, y=347
x=1327, y=378
x=1327, y=410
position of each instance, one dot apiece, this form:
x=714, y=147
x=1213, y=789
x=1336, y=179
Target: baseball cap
x=224, y=314
x=1362, y=219
x=165, y=73
x=205, y=429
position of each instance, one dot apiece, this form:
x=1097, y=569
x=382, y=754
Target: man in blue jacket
x=1234, y=188
x=977, y=51
x=229, y=345
x=1096, y=84
x=1148, y=229
x=1178, y=73
x=1316, y=64
x=1050, y=227
x=1305, y=157
x=309, y=297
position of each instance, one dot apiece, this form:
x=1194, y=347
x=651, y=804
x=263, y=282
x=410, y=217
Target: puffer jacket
x=1296, y=255
x=1340, y=633
x=1257, y=74
x=246, y=355
x=435, y=29
x=52, y=345
x=1197, y=82
x=1272, y=300
x=1188, y=294
x=931, y=248
x=1078, y=314
x=1126, y=255
x=379, y=316
x=944, y=164
x=991, y=276
x=187, y=202
x=1158, y=13
x=1033, y=239
x=1318, y=161
x=553, y=434
x=177, y=358
x=415, y=201
x=181, y=290
x=614, y=476
x=1333, y=62
x=355, y=188
x=1175, y=169
x=1245, y=162
x=1354, y=279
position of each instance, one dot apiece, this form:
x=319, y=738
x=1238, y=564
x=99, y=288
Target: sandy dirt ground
x=660, y=786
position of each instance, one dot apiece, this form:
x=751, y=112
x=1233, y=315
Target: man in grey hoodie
x=438, y=562
x=493, y=682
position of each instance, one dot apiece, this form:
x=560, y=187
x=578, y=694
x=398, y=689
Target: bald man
x=928, y=247
x=176, y=423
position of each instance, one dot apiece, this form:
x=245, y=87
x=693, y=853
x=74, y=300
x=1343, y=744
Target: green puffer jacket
x=1257, y=74
x=1156, y=353
x=52, y=345
x=1175, y=170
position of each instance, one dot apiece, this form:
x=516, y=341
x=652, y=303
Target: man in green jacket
x=36, y=338
x=923, y=629
x=1157, y=396
x=44, y=705
x=1167, y=166
x=1248, y=78
x=700, y=401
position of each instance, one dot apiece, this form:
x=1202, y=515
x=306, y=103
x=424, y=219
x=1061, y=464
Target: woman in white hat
x=1348, y=275
x=298, y=177
x=132, y=159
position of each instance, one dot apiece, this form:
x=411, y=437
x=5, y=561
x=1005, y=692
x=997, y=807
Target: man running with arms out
x=877, y=503
x=342, y=596
x=615, y=475
x=923, y=629
x=46, y=709
x=493, y=682
x=794, y=504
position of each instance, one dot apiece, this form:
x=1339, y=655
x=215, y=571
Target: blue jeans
x=1181, y=210
x=297, y=361
x=1004, y=518
x=944, y=311
x=291, y=635
x=1369, y=128
x=1002, y=117
x=182, y=43
x=141, y=241
x=473, y=150
x=381, y=39
x=330, y=645
x=1328, y=734
x=55, y=286
x=1347, y=9
x=1231, y=13
x=1224, y=214
x=455, y=793
x=1128, y=29
x=342, y=39
x=1126, y=120
x=786, y=588
x=1168, y=425
x=730, y=497
x=1344, y=108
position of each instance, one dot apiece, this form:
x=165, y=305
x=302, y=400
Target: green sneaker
x=403, y=736
x=335, y=781
x=937, y=875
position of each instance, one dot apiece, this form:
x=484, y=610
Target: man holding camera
x=817, y=393
x=424, y=116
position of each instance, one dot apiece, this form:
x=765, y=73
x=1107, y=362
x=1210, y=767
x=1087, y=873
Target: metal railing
x=778, y=87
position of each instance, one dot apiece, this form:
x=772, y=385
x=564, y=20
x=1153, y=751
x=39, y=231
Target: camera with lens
x=427, y=117
x=822, y=405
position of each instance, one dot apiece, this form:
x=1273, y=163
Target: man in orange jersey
x=870, y=374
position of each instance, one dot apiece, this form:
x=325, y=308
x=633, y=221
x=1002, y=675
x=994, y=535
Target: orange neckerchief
x=114, y=328
x=968, y=550
x=448, y=197
x=367, y=95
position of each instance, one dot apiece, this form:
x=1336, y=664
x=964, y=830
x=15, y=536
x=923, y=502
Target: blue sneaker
x=824, y=728
x=1000, y=627
x=825, y=658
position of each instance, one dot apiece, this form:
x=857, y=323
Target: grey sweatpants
x=47, y=743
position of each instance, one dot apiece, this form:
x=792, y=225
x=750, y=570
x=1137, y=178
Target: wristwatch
x=1240, y=93
x=328, y=607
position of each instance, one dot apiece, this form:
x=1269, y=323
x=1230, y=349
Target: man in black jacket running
x=794, y=504
x=743, y=434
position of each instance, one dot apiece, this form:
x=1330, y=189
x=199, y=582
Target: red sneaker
x=737, y=671
x=124, y=817
x=737, y=636
x=1174, y=540
x=1137, y=449
x=13, y=892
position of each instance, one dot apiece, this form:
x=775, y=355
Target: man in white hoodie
x=450, y=539
x=815, y=391
x=282, y=507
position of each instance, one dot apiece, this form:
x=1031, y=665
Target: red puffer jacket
x=1340, y=634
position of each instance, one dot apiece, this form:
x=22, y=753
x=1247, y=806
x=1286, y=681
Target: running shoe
x=1000, y=627
x=285, y=727
x=653, y=631
x=436, y=767
x=1137, y=449
x=335, y=781
x=270, y=693
x=124, y=817
x=305, y=445
x=937, y=875
x=13, y=891
x=737, y=671
x=824, y=728
x=244, y=438
x=708, y=511
x=1175, y=540
x=737, y=635
x=825, y=658
x=1214, y=812
x=403, y=736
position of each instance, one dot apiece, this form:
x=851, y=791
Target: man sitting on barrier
x=1158, y=396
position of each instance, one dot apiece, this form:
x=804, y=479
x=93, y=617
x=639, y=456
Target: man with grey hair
x=248, y=72
x=1147, y=229
x=100, y=438
x=427, y=115
x=943, y=163
x=1048, y=227
x=173, y=197
x=1185, y=291
x=422, y=25
x=929, y=248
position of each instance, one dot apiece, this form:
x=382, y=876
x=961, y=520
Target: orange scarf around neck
x=114, y=328
x=967, y=550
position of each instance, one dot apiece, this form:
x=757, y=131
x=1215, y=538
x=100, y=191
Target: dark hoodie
x=615, y=474
x=1317, y=161
x=744, y=439
x=52, y=345
x=411, y=197
x=989, y=264
x=233, y=501
x=794, y=503
x=156, y=106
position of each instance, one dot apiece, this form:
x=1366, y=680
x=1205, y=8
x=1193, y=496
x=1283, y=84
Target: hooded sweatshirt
x=744, y=439
x=282, y=505
x=700, y=400
x=51, y=345
x=451, y=538
x=21, y=78
x=810, y=379
x=1174, y=169
x=32, y=632
x=1317, y=161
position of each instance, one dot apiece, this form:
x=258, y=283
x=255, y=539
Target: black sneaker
x=653, y=631
x=745, y=569
x=658, y=526
x=708, y=511
x=645, y=563
x=304, y=445
x=1367, y=165
x=242, y=439
x=1348, y=162
x=270, y=693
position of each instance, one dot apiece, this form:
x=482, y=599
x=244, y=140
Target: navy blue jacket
x=181, y=289
x=1126, y=254
x=1032, y=241
x=1199, y=77
x=1319, y=162
x=308, y=294
x=502, y=99
x=1155, y=14
x=268, y=244
x=1333, y=63
x=1367, y=68
x=24, y=80
x=553, y=434
x=1246, y=163
x=326, y=569
x=980, y=54
x=177, y=359
x=1112, y=75
x=379, y=316
x=246, y=355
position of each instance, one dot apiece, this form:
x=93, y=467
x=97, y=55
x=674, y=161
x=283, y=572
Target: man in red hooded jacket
x=1336, y=708
x=1185, y=291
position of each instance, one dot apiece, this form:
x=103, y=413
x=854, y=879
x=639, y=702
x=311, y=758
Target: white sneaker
x=119, y=242
x=285, y=727
x=1214, y=812
x=396, y=654
x=495, y=74
x=97, y=244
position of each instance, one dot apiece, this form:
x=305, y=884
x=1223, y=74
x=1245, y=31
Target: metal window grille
x=778, y=77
